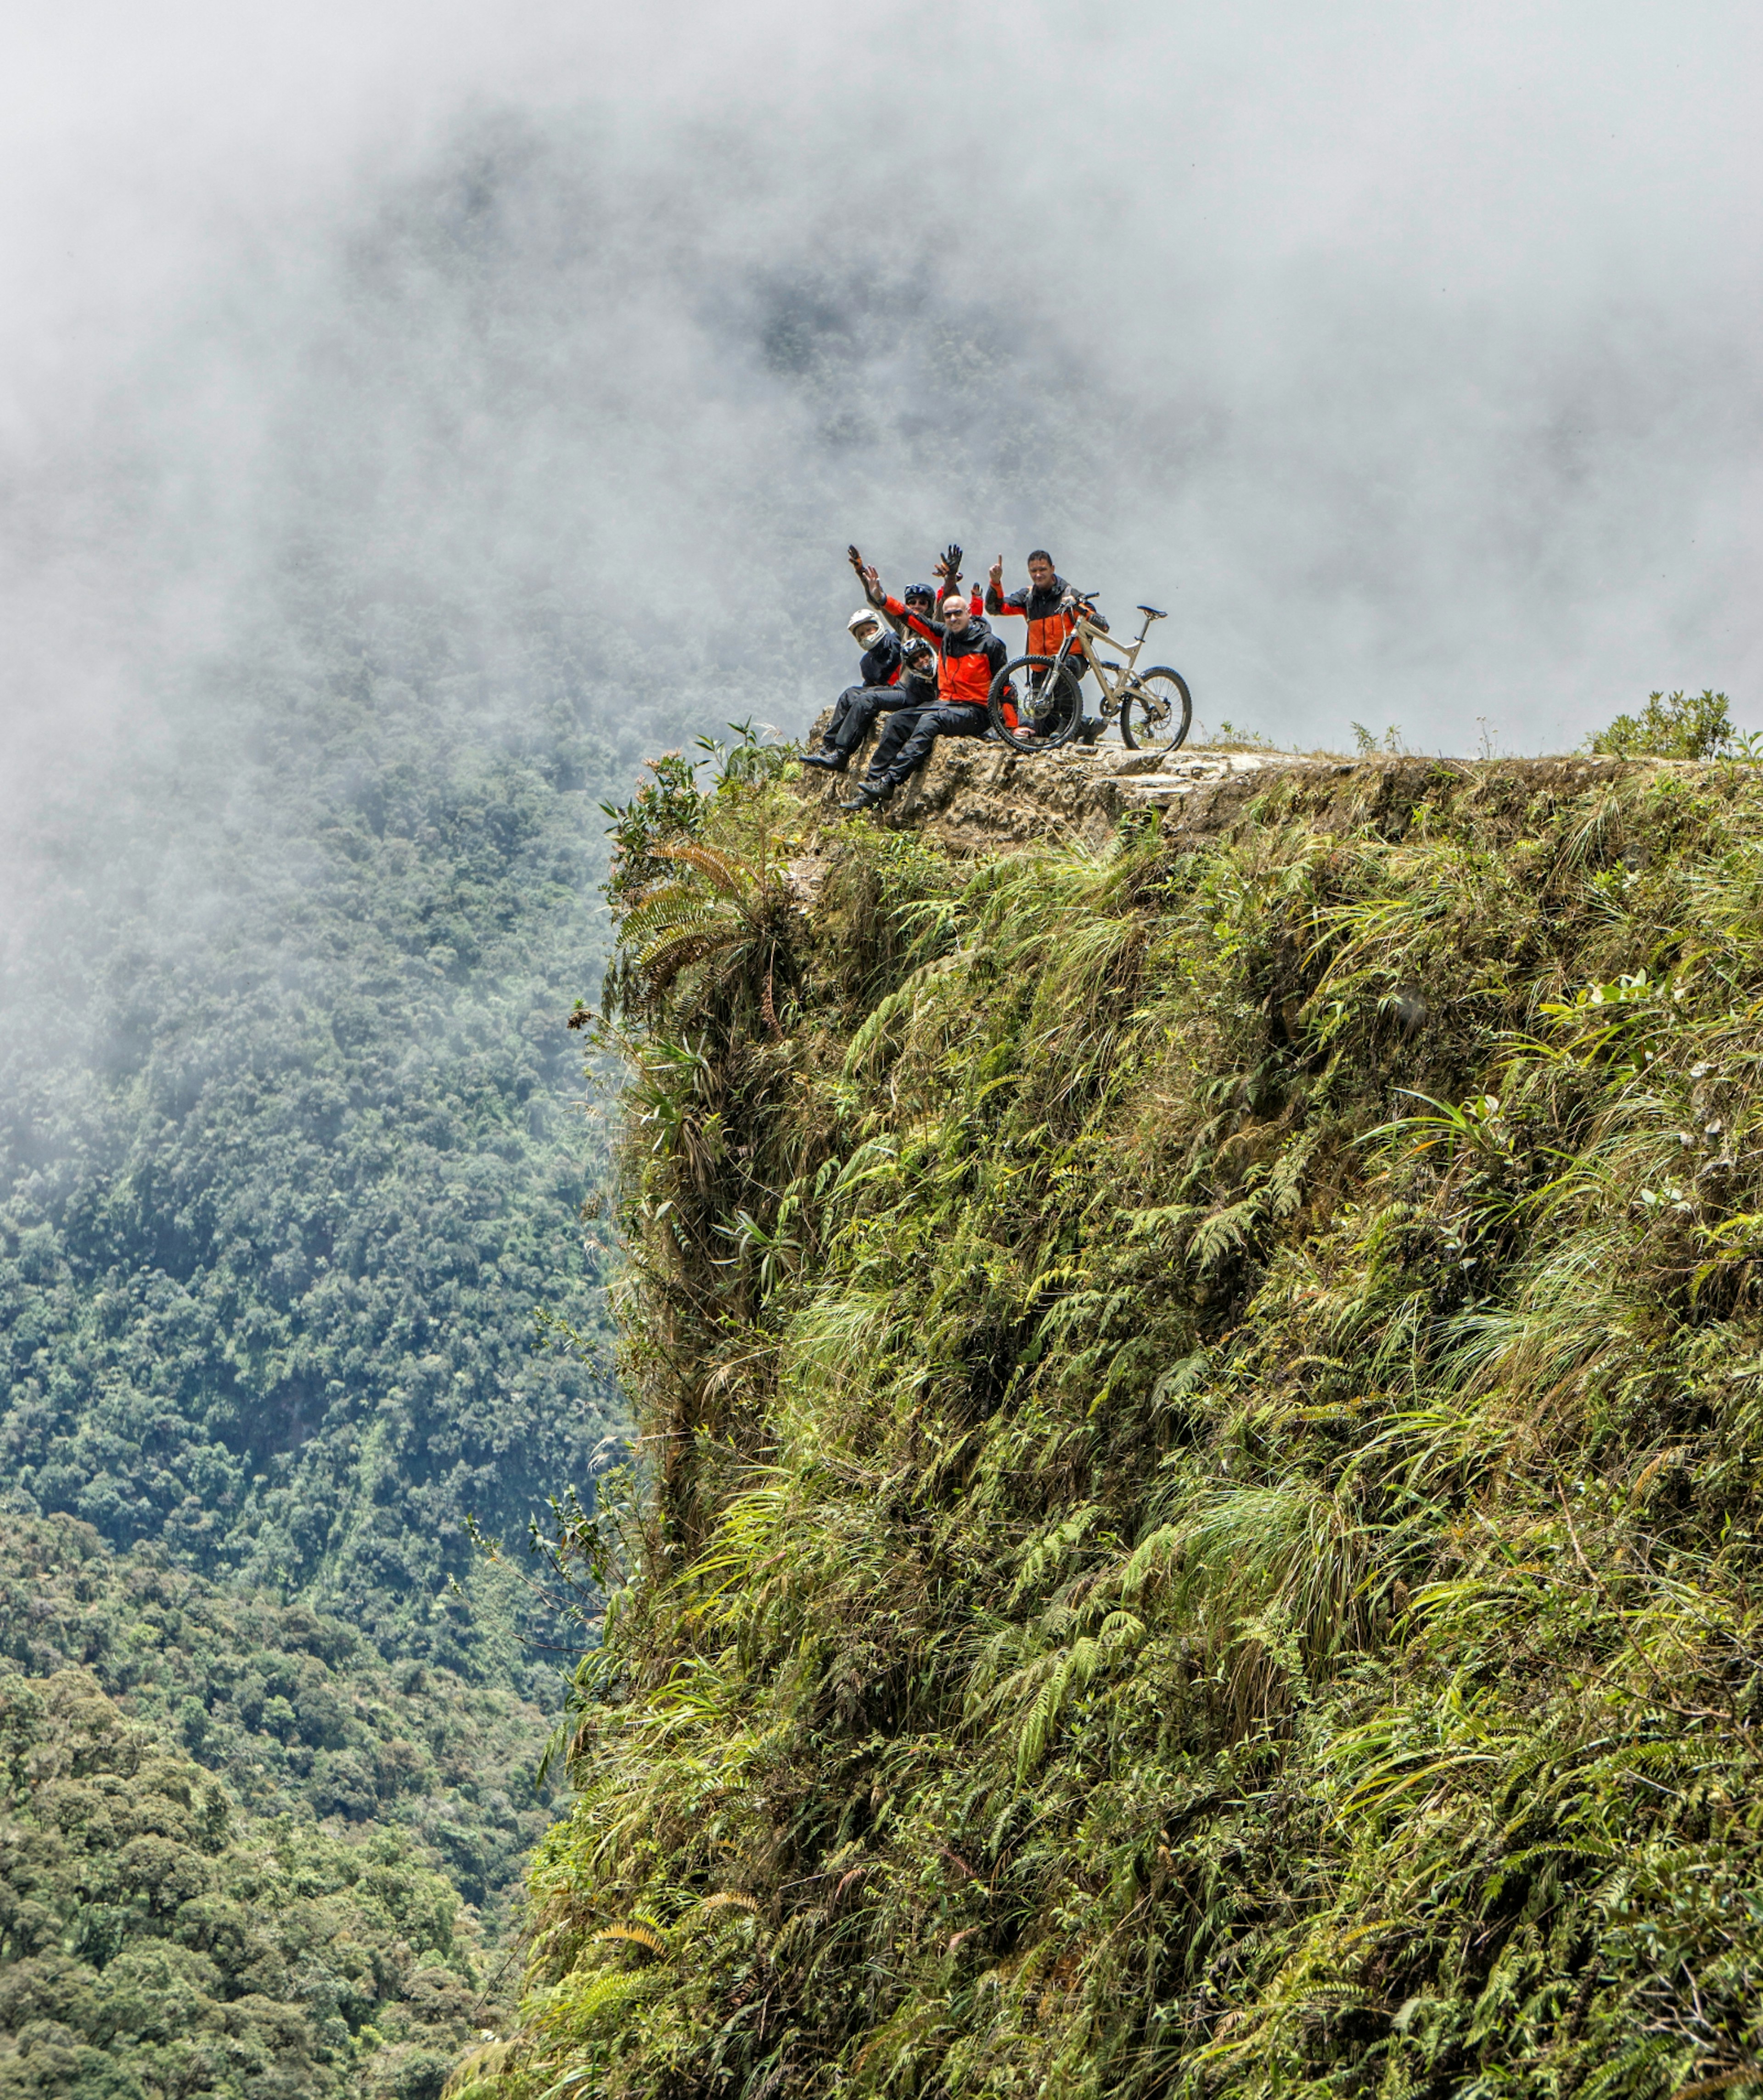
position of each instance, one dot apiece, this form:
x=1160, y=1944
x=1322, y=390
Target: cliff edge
x=976, y=797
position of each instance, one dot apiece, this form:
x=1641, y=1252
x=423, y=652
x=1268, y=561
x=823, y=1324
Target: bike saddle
x=1151, y=612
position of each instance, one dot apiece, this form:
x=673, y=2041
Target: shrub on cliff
x=1670, y=726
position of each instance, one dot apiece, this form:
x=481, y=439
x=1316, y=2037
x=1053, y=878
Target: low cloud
x=1407, y=360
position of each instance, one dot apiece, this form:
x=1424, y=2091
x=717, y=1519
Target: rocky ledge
x=978, y=798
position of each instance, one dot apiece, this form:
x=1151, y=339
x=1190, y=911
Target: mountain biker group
x=930, y=658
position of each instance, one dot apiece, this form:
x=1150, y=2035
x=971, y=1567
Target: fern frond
x=727, y=1900
x=731, y=873
x=1153, y=1556
x=1224, y=1232
x=572, y=2004
x=675, y=952
x=675, y=904
x=636, y=1932
x=1075, y=1669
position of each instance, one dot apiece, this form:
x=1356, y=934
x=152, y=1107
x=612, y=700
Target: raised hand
x=854, y=558
x=994, y=575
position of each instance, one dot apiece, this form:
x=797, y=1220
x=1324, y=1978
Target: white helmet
x=864, y=617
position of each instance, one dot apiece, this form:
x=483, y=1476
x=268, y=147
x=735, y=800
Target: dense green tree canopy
x=295, y=1710
x=156, y=1939
x=293, y=1150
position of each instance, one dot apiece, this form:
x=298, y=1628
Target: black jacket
x=881, y=662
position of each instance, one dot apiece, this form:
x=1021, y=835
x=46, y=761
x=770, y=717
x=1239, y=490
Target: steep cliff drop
x=1202, y=1375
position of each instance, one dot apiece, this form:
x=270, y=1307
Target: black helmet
x=918, y=594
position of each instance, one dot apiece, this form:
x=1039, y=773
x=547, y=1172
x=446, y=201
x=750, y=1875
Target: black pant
x=856, y=708
x=904, y=744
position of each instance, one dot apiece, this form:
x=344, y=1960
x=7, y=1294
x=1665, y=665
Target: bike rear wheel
x=1156, y=710
x=1035, y=703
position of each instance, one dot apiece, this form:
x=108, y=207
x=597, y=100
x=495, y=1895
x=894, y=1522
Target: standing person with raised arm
x=1049, y=606
x=969, y=657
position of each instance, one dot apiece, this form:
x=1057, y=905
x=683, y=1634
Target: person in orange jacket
x=1043, y=605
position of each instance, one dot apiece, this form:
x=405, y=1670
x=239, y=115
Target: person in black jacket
x=895, y=674
x=1047, y=606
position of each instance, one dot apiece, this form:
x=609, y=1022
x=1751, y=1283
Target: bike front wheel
x=1035, y=703
x=1156, y=710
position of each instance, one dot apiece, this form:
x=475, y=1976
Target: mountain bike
x=1036, y=702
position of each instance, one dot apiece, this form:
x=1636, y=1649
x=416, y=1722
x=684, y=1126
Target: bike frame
x=1113, y=688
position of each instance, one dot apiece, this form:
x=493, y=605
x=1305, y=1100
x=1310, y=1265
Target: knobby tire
x=1156, y=710
x=1063, y=708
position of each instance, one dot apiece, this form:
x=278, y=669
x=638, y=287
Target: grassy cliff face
x=1204, y=1529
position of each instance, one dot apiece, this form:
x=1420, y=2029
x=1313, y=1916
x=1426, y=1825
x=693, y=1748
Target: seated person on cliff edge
x=1043, y=605
x=970, y=656
x=894, y=674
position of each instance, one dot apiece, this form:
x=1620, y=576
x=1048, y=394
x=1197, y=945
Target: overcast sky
x=1407, y=355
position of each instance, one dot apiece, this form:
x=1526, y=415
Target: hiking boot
x=829, y=761
x=869, y=795
x=1092, y=728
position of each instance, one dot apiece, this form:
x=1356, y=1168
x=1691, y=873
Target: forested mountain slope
x=295, y=1710
x=289, y=1145
x=1206, y=1398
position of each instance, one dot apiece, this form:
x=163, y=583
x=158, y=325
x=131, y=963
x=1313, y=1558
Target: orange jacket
x=1049, y=622
x=966, y=664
